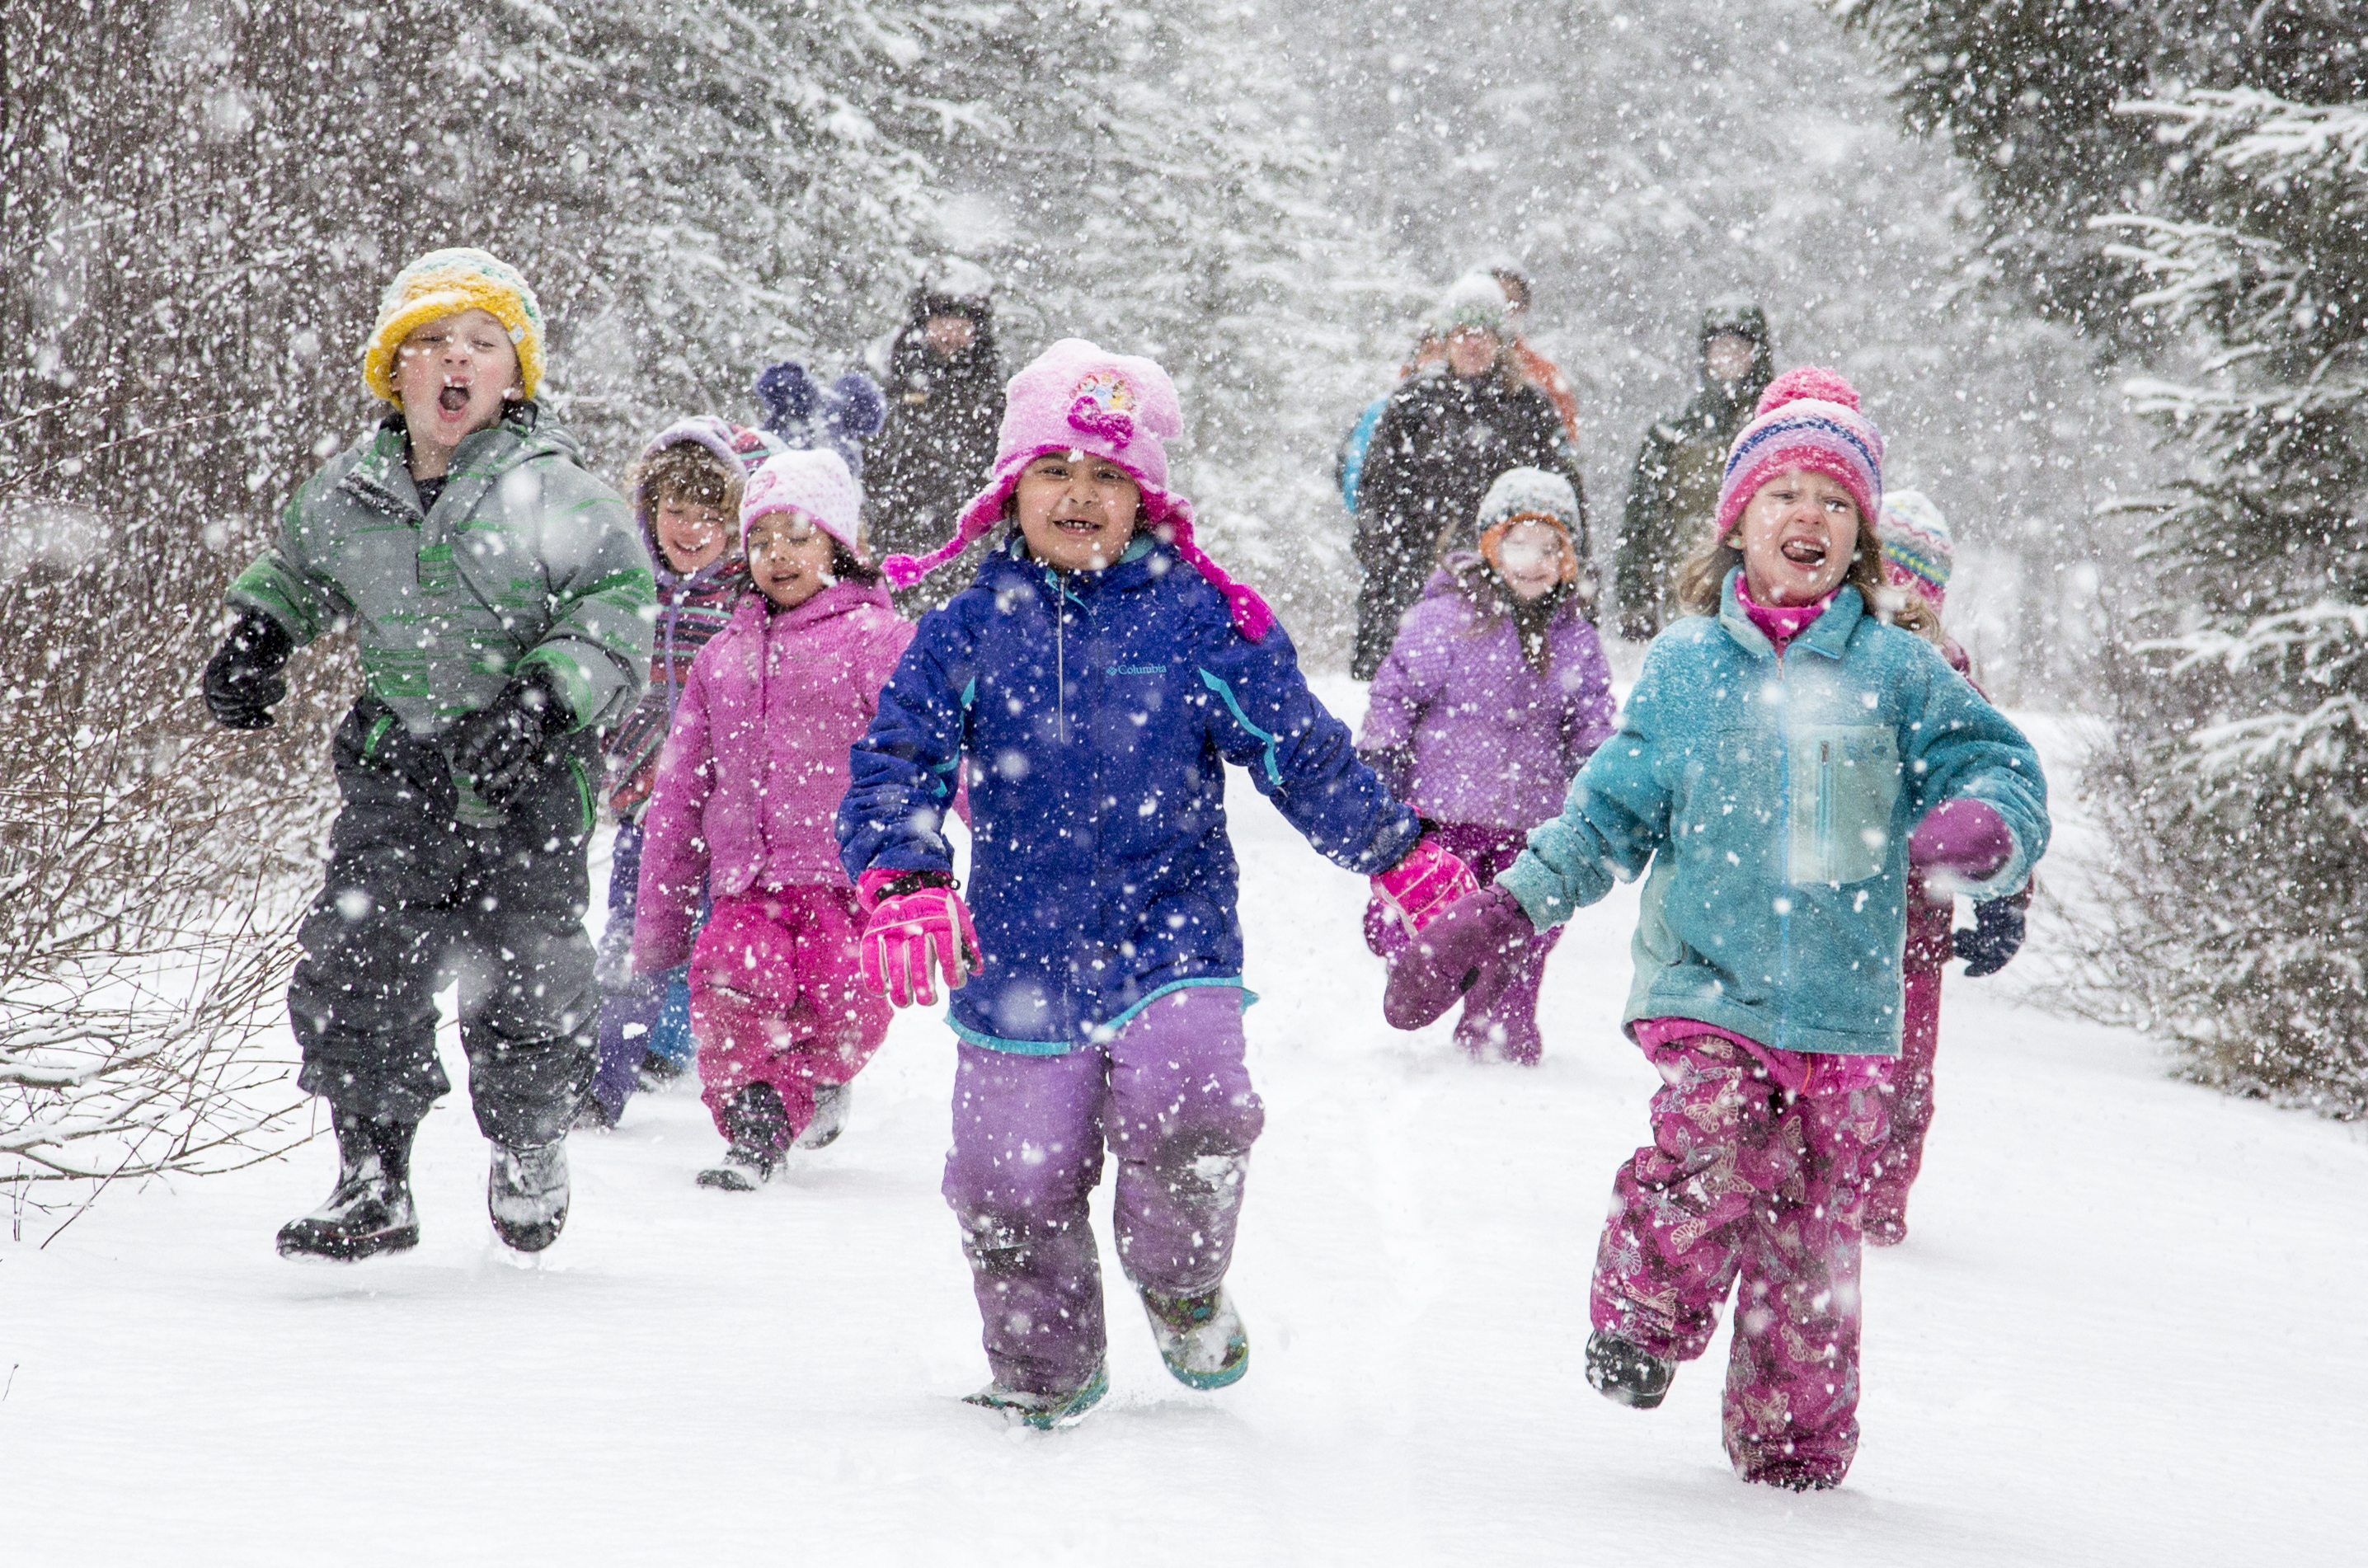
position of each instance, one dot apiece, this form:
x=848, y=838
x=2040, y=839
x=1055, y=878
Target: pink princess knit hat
x=1120, y=407
x=1808, y=419
x=814, y=483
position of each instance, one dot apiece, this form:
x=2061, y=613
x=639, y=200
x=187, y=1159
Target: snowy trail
x=2125, y=1329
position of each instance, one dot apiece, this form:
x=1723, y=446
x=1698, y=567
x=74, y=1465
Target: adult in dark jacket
x=945, y=401
x=1675, y=491
x=1448, y=432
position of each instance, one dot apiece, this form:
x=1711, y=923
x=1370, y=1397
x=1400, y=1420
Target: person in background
x=1916, y=556
x=1535, y=368
x=1492, y=698
x=1448, y=432
x=685, y=490
x=1675, y=489
x=944, y=385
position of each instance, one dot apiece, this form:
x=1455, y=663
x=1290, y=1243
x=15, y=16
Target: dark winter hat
x=1735, y=315
x=955, y=287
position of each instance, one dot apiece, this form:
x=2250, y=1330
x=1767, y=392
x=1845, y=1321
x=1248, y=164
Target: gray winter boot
x=527, y=1194
x=831, y=1104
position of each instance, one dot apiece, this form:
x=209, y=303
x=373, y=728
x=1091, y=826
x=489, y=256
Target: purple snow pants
x=1745, y=1179
x=1507, y=1031
x=1170, y=1096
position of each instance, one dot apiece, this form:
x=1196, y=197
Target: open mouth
x=1080, y=525
x=453, y=399
x=1805, y=553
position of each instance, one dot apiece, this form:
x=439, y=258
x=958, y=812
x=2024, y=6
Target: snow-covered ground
x=2126, y=1329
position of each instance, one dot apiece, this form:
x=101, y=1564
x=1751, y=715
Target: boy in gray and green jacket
x=500, y=597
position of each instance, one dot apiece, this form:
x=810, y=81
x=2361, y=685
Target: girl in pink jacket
x=747, y=792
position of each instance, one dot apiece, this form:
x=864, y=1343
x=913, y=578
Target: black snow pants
x=412, y=900
x=1397, y=556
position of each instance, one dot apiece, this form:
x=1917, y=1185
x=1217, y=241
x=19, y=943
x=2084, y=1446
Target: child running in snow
x=1915, y=558
x=1780, y=748
x=1493, y=695
x=743, y=807
x=686, y=489
x=1092, y=682
x=498, y=594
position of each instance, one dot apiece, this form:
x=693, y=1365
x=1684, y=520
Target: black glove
x=241, y=681
x=1995, y=938
x=500, y=748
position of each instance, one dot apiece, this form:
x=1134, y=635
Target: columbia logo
x=1138, y=669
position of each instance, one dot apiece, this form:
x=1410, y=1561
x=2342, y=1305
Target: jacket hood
x=1735, y=316
x=737, y=447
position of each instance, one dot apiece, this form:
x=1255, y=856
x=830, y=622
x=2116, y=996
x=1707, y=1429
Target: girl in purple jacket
x=1493, y=695
x=747, y=792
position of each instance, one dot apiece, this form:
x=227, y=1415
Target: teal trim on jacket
x=1771, y=798
x=1102, y=1033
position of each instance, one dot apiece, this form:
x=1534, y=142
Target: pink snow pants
x=1746, y=1181
x=774, y=998
x=1893, y=1169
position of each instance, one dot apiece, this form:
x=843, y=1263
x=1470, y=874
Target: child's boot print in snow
x=370, y=1210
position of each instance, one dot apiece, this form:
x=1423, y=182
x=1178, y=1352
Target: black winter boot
x=371, y=1210
x=527, y=1194
x=1624, y=1374
x=758, y=1126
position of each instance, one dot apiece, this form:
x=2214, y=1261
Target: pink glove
x=912, y=936
x=1964, y=838
x=1425, y=881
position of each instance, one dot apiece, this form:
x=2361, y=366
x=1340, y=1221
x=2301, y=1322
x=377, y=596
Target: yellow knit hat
x=443, y=283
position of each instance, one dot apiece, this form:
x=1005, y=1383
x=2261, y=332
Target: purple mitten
x=1467, y=948
x=1960, y=841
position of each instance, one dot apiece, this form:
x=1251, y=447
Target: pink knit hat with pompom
x=1807, y=419
x=1118, y=407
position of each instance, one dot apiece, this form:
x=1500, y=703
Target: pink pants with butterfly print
x=1754, y=1186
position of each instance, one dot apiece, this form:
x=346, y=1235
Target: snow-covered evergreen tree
x=2025, y=91
x=1150, y=179
x=2248, y=901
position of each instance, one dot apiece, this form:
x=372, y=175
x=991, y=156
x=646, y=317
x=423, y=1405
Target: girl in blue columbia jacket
x=1782, y=750
x=1094, y=681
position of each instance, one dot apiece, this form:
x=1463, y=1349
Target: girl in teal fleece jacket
x=1782, y=748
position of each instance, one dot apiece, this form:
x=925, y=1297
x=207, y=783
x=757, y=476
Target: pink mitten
x=1468, y=952
x=1425, y=881
x=912, y=937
